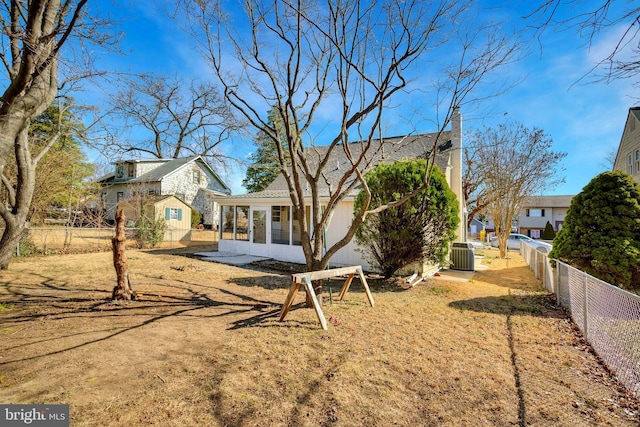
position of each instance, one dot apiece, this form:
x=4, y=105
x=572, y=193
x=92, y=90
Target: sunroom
x=270, y=228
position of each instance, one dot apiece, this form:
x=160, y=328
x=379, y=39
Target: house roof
x=157, y=174
x=382, y=151
x=161, y=171
x=548, y=202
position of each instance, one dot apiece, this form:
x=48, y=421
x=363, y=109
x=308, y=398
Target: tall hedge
x=421, y=228
x=601, y=232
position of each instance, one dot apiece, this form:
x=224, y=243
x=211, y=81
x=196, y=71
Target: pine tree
x=601, y=232
x=548, y=233
x=265, y=167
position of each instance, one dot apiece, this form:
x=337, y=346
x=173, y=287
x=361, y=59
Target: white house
x=537, y=210
x=262, y=224
x=628, y=155
x=190, y=179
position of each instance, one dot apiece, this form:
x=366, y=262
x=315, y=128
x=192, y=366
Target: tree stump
x=122, y=291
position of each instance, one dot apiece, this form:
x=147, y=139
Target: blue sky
x=585, y=120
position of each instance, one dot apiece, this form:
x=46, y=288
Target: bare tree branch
x=513, y=163
x=173, y=118
x=351, y=58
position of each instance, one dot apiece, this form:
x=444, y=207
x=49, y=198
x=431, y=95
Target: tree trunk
x=122, y=291
x=317, y=288
x=9, y=241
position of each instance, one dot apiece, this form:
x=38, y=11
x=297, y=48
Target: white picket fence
x=608, y=316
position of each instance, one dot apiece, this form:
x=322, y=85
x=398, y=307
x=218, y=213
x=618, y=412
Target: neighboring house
x=537, y=210
x=261, y=223
x=628, y=155
x=475, y=227
x=174, y=211
x=190, y=179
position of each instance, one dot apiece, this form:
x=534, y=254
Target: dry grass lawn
x=204, y=347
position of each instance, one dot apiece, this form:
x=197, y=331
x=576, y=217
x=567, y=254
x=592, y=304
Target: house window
x=119, y=171
x=637, y=164
x=280, y=225
x=630, y=165
x=132, y=170
x=242, y=222
x=152, y=192
x=119, y=196
x=196, y=176
x=227, y=222
x=173, y=214
x=535, y=212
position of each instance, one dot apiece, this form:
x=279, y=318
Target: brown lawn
x=204, y=347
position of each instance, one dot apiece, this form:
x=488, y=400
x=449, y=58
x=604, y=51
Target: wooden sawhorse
x=299, y=279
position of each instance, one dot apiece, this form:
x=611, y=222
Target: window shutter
x=542, y=212
x=527, y=212
x=179, y=214
x=167, y=214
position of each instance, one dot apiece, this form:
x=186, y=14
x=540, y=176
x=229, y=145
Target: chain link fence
x=51, y=240
x=608, y=316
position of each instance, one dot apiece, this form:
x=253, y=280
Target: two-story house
x=628, y=155
x=538, y=210
x=190, y=179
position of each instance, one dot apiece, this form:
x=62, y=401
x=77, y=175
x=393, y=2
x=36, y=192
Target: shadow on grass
x=186, y=251
x=520, y=278
x=514, y=305
x=278, y=273
x=535, y=305
x=280, y=280
x=43, y=297
x=47, y=301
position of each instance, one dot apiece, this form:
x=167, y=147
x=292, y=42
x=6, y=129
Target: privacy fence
x=608, y=316
x=73, y=239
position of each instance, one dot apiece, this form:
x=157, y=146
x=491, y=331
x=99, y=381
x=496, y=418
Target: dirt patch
x=204, y=346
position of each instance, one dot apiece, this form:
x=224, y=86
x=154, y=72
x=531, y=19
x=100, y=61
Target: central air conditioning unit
x=462, y=257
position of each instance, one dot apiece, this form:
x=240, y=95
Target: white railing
x=608, y=316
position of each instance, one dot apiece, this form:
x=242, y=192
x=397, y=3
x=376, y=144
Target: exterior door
x=259, y=231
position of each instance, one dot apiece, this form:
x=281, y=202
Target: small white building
x=262, y=223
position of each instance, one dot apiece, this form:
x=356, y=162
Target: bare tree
x=33, y=35
x=168, y=118
x=475, y=194
x=609, y=160
x=623, y=60
x=350, y=59
x=514, y=162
